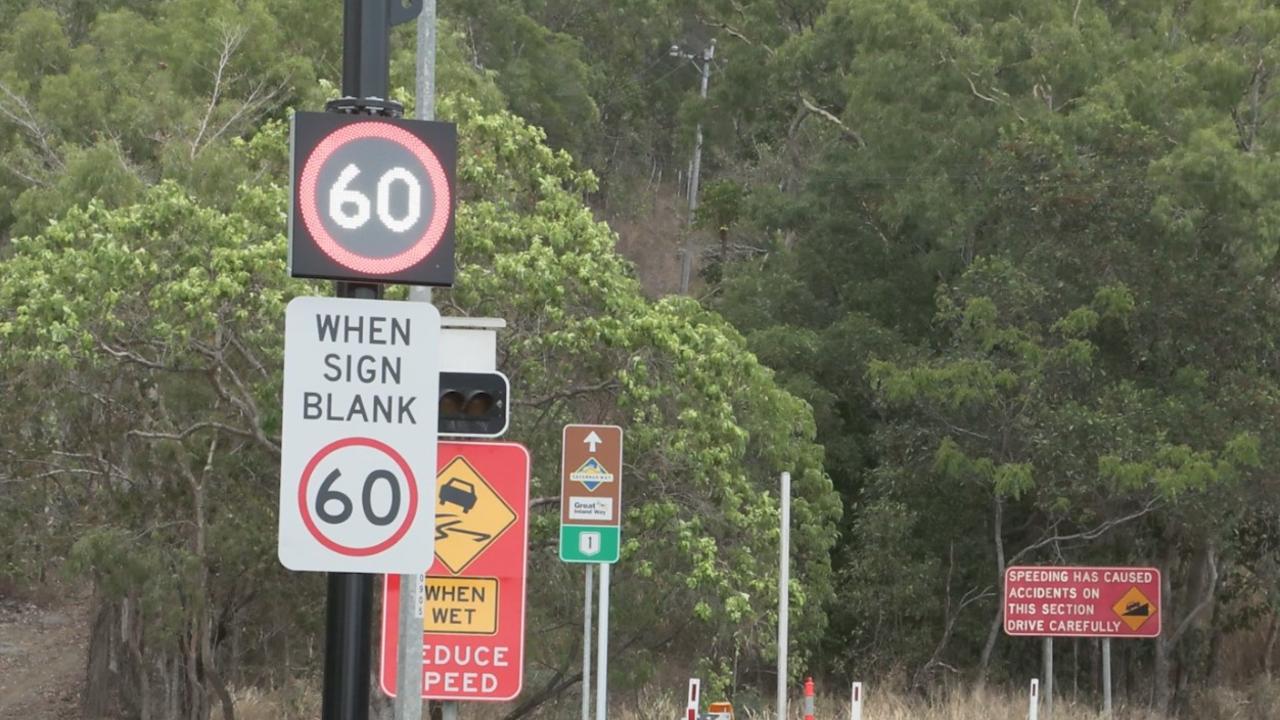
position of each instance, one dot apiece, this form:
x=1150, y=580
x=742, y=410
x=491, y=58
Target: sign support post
x=349, y=605
x=408, y=702
x=349, y=613
x=602, y=650
x=784, y=594
x=586, y=645
x=1047, y=671
x=1106, y=677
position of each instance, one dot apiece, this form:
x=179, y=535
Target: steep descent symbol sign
x=470, y=515
x=591, y=474
x=1134, y=608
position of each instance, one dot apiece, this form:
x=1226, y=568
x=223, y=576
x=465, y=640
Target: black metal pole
x=346, y=659
x=349, y=604
x=351, y=56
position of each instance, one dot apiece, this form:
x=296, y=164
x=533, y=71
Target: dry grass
x=1261, y=701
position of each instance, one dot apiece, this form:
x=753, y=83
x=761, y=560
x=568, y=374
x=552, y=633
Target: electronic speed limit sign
x=372, y=199
x=357, y=447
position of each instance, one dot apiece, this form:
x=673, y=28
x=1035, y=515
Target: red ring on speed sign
x=310, y=522
x=423, y=246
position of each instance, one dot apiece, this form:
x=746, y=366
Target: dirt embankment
x=41, y=659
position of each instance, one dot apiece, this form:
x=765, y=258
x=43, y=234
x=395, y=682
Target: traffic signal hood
x=474, y=404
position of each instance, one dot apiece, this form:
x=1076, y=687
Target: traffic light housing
x=474, y=404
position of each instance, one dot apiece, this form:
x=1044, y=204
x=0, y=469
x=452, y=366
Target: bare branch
x=829, y=117
x=18, y=111
x=734, y=32
x=1092, y=534
x=193, y=429
x=260, y=98
x=979, y=95
x=1204, y=603
x=231, y=39
x=608, y=384
x=122, y=354
x=535, y=503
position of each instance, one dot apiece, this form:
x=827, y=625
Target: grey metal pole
x=424, y=88
x=1048, y=678
x=1106, y=677
x=695, y=170
x=425, y=81
x=408, y=705
x=586, y=644
x=784, y=594
x=449, y=710
x=408, y=702
x=602, y=649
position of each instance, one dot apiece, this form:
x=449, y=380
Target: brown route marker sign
x=591, y=494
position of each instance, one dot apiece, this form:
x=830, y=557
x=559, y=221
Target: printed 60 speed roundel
x=372, y=199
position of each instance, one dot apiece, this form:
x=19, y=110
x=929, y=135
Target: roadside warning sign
x=462, y=605
x=473, y=615
x=1082, y=601
x=470, y=516
x=1134, y=608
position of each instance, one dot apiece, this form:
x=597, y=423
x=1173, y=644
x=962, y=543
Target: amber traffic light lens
x=479, y=404
x=451, y=403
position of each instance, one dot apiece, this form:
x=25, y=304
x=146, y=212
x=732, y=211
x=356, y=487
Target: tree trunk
x=1161, y=691
x=99, y=698
x=993, y=632
x=1269, y=650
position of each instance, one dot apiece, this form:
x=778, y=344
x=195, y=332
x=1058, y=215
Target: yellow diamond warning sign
x=1134, y=608
x=470, y=516
x=461, y=605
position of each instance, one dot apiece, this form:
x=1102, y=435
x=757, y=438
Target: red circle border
x=311, y=523
x=308, y=202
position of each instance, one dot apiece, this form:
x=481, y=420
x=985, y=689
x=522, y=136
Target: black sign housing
x=372, y=199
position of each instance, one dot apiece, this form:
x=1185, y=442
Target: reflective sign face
x=474, y=593
x=1078, y=601
x=372, y=199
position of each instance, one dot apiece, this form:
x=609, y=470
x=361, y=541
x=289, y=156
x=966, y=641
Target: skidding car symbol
x=459, y=492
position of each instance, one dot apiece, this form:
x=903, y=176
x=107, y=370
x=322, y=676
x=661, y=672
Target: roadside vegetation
x=997, y=282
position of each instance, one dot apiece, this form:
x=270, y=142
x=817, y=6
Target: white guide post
x=855, y=702
x=691, y=706
x=1033, y=710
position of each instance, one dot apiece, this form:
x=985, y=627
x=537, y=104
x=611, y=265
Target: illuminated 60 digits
x=341, y=196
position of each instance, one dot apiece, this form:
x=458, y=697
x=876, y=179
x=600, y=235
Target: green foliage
x=147, y=276
x=1055, y=227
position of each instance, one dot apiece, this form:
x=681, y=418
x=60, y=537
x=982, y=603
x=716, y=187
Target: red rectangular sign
x=473, y=615
x=1082, y=601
